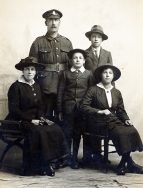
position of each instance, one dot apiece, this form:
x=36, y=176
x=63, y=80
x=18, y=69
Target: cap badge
x=54, y=13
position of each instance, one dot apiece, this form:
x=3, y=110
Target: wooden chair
x=102, y=135
x=11, y=134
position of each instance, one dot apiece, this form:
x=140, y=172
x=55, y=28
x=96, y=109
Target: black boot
x=66, y=161
x=75, y=164
x=49, y=170
x=133, y=167
x=46, y=169
x=121, y=168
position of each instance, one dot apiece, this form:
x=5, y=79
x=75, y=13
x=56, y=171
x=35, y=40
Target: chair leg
x=106, y=153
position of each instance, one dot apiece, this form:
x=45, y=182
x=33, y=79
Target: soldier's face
x=78, y=60
x=96, y=39
x=52, y=24
x=29, y=73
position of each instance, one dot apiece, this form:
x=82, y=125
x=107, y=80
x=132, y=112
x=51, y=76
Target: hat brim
x=71, y=52
x=54, y=16
x=99, y=70
x=88, y=34
x=21, y=66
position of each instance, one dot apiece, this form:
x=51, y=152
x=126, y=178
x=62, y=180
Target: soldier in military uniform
x=51, y=50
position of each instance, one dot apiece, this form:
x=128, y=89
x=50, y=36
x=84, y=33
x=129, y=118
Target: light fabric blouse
x=107, y=92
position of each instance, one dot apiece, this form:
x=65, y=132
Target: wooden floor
x=67, y=177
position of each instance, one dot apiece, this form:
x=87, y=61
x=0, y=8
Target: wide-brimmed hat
x=52, y=14
x=96, y=29
x=28, y=61
x=71, y=52
x=99, y=70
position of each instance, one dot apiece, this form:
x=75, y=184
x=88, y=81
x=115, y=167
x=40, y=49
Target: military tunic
x=52, y=52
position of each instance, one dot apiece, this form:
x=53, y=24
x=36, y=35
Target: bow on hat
x=29, y=61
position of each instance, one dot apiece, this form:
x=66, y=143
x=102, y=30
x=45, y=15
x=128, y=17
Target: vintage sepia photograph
x=71, y=93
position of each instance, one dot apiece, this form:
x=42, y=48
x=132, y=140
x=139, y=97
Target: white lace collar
x=22, y=80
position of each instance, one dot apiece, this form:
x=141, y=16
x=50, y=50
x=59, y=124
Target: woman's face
x=29, y=73
x=107, y=76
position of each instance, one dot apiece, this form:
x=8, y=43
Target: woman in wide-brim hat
x=46, y=139
x=104, y=103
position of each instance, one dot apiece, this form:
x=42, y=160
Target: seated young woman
x=104, y=103
x=46, y=140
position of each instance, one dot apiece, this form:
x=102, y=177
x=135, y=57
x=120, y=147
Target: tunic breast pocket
x=64, y=51
x=45, y=55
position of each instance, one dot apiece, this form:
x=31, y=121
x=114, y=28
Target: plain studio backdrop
x=122, y=20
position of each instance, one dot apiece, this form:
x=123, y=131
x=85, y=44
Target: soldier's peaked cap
x=52, y=14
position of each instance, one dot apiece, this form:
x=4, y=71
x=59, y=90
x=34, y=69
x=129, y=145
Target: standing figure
x=105, y=103
x=96, y=55
x=46, y=141
x=51, y=50
x=73, y=85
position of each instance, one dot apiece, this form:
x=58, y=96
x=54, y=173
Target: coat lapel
x=114, y=98
x=101, y=57
x=91, y=55
x=89, y=52
x=101, y=97
x=81, y=74
x=73, y=74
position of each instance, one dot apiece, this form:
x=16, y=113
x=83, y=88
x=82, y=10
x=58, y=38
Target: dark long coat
x=125, y=138
x=25, y=104
x=93, y=63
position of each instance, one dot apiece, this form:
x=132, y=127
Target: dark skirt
x=45, y=141
x=125, y=138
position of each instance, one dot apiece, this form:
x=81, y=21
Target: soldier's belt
x=56, y=67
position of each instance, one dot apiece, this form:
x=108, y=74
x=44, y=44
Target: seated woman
x=46, y=139
x=104, y=102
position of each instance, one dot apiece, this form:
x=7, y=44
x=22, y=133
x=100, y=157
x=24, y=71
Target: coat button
x=34, y=94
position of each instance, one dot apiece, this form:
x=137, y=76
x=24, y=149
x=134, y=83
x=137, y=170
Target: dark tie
x=95, y=53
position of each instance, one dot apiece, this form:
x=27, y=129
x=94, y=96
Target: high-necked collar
x=51, y=38
x=22, y=80
x=82, y=69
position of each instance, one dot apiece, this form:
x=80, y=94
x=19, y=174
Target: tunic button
x=32, y=89
x=57, y=48
x=57, y=55
x=34, y=94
